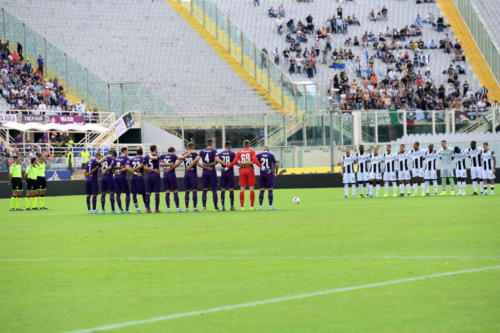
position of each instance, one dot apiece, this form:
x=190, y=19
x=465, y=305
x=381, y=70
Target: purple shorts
x=92, y=187
x=209, y=179
x=137, y=185
x=121, y=185
x=227, y=179
x=107, y=184
x=153, y=184
x=170, y=181
x=190, y=181
x=266, y=181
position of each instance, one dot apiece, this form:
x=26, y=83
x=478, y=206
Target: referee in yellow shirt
x=41, y=182
x=31, y=180
x=16, y=180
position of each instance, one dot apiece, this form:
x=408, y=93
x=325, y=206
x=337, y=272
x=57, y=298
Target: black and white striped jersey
x=376, y=161
x=390, y=162
x=488, y=159
x=404, y=161
x=459, y=159
x=362, y=160
x=430, y=160
x=348, y=163
x=417, y=158
x=475, y=157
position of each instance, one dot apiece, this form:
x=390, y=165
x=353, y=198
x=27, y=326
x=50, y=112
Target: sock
x=361, y=189
x=474, y=185
x=112, y=201
x=261, y=197
x=481, y=185
x=119, y=201
x=94, y=202
x=370, y=189
x=386, y=187
x=415, y=188
x=401, y=188
x=353, y=189
x=167, y=199
x=204, y=198
x=33, y=201
x=223, y=198
x=18, y=202
x=147, y=200
x=88, y=202
x=435, y=185
x=443, y=184
x=27, y=202
x=215, y=199
x=408, y=188
x=195, y=199
x=270, y=197
x=346, y=189
x=378, y=189
x=186, y=199
x=103, y=201
x=41, y=201
x=231, y=198
x=427, y=186
x=452, y=184
x=242, y=198
x=485, y=188
x=12, y=202
x=127, y=201
x=422, y=187
x=252, y=198
x=176, y=199
x=394, y=187
x=157, y=201
x=492, y=188
x=134, y=199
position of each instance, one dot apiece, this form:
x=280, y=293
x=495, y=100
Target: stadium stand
x=366, y=23
x=488, y=13
x=168, y=56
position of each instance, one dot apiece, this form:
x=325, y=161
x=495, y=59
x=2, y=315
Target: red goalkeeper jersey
x=245, y=156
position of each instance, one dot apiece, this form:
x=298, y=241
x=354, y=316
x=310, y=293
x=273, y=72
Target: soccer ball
x=295, y=200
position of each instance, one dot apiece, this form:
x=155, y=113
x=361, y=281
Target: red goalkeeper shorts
x=247, y=177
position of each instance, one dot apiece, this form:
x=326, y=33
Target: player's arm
x=146, y=166
x=194, y=163
x=219, y=160
x=254, y=158
x=233, y=162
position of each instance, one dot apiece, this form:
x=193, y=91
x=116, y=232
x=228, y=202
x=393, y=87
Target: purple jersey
x=168, y=158
x=152, y=163
x=89, y=167
x=208, y=155
x=267, y=160
x=108, y=161
x=227, y=156
x=134, y=163
x=120, y=162
x=188, y=160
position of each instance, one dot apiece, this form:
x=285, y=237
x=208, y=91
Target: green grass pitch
x=63, y=270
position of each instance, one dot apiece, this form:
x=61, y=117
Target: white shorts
x=446, y=173
x=349, y=178
x=488, y=174
x=389, y=176
x=461, y=173
x=417, y=173
x=375, y=176
x=362, y=176
x=404, y=175
x=476, y=173
x=430, y=175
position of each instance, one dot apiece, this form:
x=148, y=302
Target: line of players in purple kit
x=114, y=182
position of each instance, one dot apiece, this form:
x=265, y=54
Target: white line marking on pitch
x=279, y=299
x=248, y=258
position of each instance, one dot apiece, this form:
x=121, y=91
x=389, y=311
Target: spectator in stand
x=41, y=64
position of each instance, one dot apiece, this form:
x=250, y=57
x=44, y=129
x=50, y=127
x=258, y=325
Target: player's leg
x=474, y=177
x=231, y=197
x=126, y=189
x=485, y=186
x=270, y=191
x=176, y=201
x=13, y=200
x=386, y=184
x=262, y=189
x=251, y=184
x=133, y=189
x=353, y=184
x=451, y=180
x=174, y=188
x=492, y=185
x=345, y=180
x=243, y=184
x=378, y=182
x=195, y=200
x=186, y=199
x=370, y=186
x=205, y=181
x=42, y=193
x=166, y=188
x=252, y=196
x=443, y=183
x=213, y=188
x=394, y=184
x=149, y=190
x=223, y=198
x=118, y=192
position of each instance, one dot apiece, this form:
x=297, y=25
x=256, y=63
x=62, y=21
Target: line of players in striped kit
x=145, y=178
x=417, y=167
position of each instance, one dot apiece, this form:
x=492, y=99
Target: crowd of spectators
x=406, y=81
